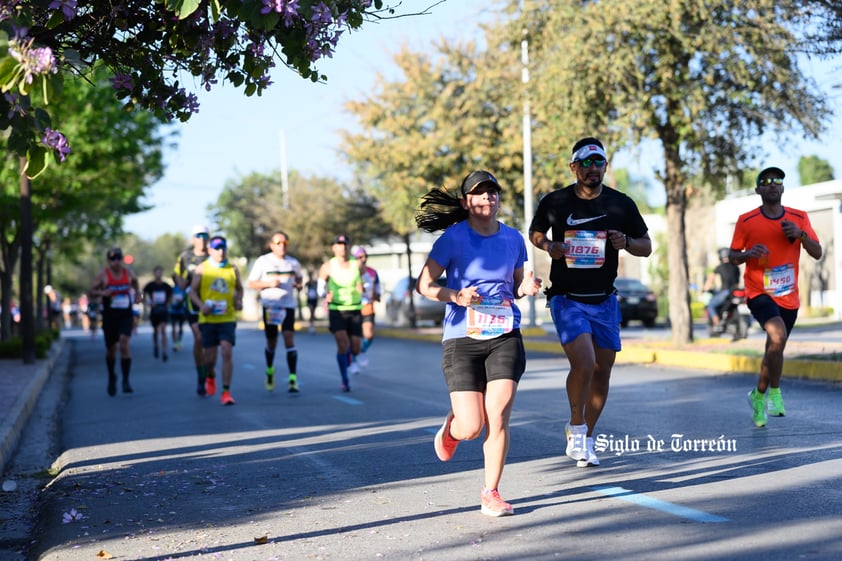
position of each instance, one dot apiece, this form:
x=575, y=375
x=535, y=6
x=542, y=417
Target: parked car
x=637, y=301
x=397, y=304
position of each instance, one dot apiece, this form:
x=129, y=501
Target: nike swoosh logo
x=576, y=221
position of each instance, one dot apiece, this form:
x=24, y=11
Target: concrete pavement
x=21, y=386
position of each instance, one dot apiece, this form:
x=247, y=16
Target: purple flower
x=271, y=6
x=122, y=82
x=191, y=103
x=287, y=8
x=321, y=14
x=54, y=140
x=15, y=107
x=290, y=12
x=71, y=516
x=68, y=7
x=33, y=61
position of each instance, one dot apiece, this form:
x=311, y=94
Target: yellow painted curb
x=637, y=354
x=813, y=370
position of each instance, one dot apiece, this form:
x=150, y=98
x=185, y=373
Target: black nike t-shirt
x=590, y=266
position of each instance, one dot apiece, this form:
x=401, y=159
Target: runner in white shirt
x=277, y=276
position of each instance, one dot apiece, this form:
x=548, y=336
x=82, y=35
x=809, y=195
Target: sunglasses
x=771, y=181
x=279, y=242
x=595, y=162
x=203, y=236
x=115, y=258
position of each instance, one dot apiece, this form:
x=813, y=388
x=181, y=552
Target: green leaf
x=8, y=67
x=182, y=8
x=42, y=118
x=36, y=162
x=56, y=19
x=216, y=10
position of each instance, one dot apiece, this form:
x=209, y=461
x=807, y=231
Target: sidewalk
x=22, y=383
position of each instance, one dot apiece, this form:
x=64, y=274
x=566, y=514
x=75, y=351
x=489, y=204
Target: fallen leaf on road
x=262, y=539
x=104, y=554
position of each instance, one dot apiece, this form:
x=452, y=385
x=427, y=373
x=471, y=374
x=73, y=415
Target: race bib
x=585, y=248
x=121, y=302
x=490, y=317
x=275, y=316
x=779, y=281
x=218, y=307
x=177, y=299
x=159, y=297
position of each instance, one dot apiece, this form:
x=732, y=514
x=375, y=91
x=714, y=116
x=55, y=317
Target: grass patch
x=828, y=357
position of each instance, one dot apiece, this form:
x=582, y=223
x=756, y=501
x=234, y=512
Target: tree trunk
x=10, y=250
x=27, y=325
x=412, y=322
x=43, y=256
x=5, y=305
x=679, y=280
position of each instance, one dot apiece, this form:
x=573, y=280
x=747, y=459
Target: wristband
x=803, y=236
x=627, y=243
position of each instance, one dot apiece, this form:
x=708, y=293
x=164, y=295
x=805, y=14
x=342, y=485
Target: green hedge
x=13, y=347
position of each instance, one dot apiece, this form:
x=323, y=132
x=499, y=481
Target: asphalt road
x=163, y=474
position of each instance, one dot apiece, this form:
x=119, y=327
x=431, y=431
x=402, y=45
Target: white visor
x=588, y=151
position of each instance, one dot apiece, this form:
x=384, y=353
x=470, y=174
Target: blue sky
x=234, y=135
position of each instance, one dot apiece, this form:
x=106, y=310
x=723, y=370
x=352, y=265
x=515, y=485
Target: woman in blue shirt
x=483, y=354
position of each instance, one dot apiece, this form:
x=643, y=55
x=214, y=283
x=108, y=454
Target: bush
x=697, y=310
x=13, y=347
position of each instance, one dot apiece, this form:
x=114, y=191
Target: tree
x=704, y=80
x=119, y=155
x=149, y=47
x=812, y=169
x=443, y=119
x=250, y=209
x=824, y=34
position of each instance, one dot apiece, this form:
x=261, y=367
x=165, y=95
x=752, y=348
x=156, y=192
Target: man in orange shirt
x=768, y=240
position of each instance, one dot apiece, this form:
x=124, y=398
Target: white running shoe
x=577, y=436
x=353, y=368
x=590, y=459
x=362, y=360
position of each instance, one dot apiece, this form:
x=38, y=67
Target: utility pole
x=528, y=205
x=284, y=178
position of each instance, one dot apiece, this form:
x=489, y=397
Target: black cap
x=342, y=238
x=772, y=170
x=477, y=178
x=114, y=253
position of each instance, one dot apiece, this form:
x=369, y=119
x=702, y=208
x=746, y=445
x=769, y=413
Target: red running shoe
x=491, y=504
x=210, y=385
x=445, y=444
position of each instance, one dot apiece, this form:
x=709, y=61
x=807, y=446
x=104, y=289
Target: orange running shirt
x=777, y=273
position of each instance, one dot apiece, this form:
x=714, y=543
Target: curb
x=11, y=429
x=825, y=371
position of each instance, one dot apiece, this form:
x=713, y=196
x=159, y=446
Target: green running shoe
x=757, y=401
x=270, y=378
x=776, y=403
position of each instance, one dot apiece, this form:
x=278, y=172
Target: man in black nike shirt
x=590, y=224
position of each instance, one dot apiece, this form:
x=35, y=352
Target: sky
x=233, y=135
